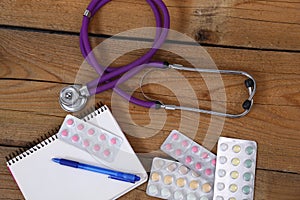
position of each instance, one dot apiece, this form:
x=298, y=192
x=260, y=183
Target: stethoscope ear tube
x=250, y=84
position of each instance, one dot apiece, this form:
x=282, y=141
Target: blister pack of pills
x=98, y=142
x=190, y=153
x=235, y=169
x=173, y=180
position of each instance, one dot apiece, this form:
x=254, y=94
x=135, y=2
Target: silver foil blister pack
x=235, y=169
x=96, y=141
x=173, y=180
x=191, y=154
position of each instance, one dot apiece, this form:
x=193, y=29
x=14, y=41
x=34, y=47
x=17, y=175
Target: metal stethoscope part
x=73, y=98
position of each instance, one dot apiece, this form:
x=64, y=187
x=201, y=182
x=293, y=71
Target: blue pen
x=121, y=176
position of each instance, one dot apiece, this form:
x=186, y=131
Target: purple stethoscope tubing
x=74, y=97
x=103, y=83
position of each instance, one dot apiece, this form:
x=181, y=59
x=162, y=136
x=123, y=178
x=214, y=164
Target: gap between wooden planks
x=268, y=185
x=55, y=58
x=251, y=24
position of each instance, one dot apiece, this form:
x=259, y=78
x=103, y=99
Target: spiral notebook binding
x=51, y=136
x=32, y=147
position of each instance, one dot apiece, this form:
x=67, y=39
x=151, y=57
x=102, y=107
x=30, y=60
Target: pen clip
x=121, y=179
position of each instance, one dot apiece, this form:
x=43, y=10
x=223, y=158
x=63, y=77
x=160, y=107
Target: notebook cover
x=40, y=178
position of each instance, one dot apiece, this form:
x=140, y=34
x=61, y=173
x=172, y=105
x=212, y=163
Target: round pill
x=155, y=177
x=168, y=180
x=64, y=133
x=213, y=162
x=80, y=127
x=96, y=147
x=172, y=167
x=204, y=198
x=195, y=149
x=224, y=147
x=188, y=159
x=191, y=197
x=247, y=176
x=236, y=148
x=208, y=172
x=206, y=187
x=235, y=161
x=232, y=198
x=180, y=182
x=204, y=155
x=249, y=150
x=91, y=131
x=246, y=189
x=165, y=192
x=102, y=137
x=222, y=159
x=106, y=152
x=220, y=186
x=234, y=174
x=178, y=195
x=168, y=147
x=70, y=121
x=248, y=163
x=153, y=189
x=198, y=166
x=183, y=170
x=194, y=174
x=185, y=143
x=178, y=152
x=233, y=188
x=158, y=163
x=175, y=136
x=113, y=141
x=194, y=185
x=219, y=198
x=86, y=143
x=221, y=172
x=75, y=138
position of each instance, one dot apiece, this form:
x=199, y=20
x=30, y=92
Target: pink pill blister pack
x=173, y=180
x=235, y=170
x=96, y=141
x=190, y=153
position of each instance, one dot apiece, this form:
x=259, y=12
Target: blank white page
x=40, y=178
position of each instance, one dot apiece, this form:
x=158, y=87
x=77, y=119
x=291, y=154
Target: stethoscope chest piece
x=73, y=98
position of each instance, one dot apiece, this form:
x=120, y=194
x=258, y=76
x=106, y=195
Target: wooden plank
x=252, y=24
x=30, y=109
x=48, y=57
x=267, y=184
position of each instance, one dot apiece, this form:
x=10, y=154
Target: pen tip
x=55, y=160
x=137, y=178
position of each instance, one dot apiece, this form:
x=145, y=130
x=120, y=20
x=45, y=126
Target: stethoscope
x=74, y=97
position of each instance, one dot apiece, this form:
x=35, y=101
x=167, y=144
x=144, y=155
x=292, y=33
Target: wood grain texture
x=267, y=184
x=252, y=24
x=40, y=111
x=39, y=55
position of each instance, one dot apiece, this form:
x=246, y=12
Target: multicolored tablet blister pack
x=235, y=170
x=191, y=154
x=173, y=180
x=90, y=138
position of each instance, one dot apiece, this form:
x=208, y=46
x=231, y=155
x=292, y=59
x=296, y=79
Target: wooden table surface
x=40, y=54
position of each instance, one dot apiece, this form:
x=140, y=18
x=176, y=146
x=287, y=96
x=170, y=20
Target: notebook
x=40, y=178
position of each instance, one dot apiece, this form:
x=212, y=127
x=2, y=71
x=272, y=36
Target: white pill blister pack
x=173, y=180
x=96, y=141
x=190, y=153
x=235, y=169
